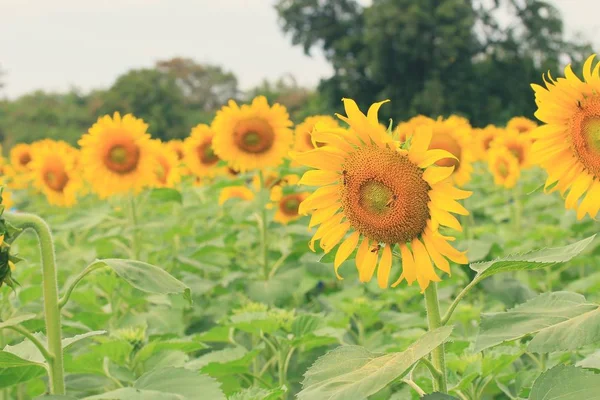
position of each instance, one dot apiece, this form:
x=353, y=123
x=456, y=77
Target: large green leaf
x=16, y=320
x=167, y=384
x=353, y=372
x=256, y=393
x=15, y=370
x=591, y=361
x=146, y=277
x=531, y=261
x=166, y=194
x=438, y=396
x=560, y=321
x=566, y=383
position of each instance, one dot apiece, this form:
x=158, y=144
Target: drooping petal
x=344, y=251
x=385, y=267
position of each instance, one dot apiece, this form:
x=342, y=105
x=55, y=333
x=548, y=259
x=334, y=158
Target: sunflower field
x=345, y=257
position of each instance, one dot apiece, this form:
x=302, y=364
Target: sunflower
x=302, y=133
x=116, y=155
x=198, y=151
x=7, y=200
x=504, y=165
x=167, y=172
x=235, y=192
x=285, y=200
x=518, y=145
x=20, y=157
x=384, y=194
x=252, y=136
x=176, y=145
x=521, y=124
x=568, y=145
x=404, y=130
x=483, y=138
x=55, y=172
x=453, y=135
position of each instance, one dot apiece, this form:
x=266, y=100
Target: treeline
x=172, y=97
x=475, y=58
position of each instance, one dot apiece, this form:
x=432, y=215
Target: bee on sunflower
x=567, y=146
x=254, y=136
x=384, y=194
x=55, y=173
x=116, y=155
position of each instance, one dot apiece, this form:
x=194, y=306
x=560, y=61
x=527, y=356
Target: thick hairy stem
x=438, y=358
x=50, y=292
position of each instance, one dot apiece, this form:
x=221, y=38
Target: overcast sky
x=58, y=44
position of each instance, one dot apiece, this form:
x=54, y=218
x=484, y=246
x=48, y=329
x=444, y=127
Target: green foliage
x=566, y=383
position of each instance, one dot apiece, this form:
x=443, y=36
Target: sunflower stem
x=438, y=354
x=50, y=292
x=134, y=224
x=263, y=225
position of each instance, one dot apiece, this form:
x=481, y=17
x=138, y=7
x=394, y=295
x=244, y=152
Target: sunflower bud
x=7, y=261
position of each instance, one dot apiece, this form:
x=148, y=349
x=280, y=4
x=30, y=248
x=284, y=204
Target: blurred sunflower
x=285, y=200
x=235, y=192
x=55, y=172
x=568, y=145
x=482, y=139
x=167, y=172
x=116, y=155
x=518, y=145
x=453, y=135
x=20, y=157
x=504, y=166
x=521, y=124
x=198, y=151
x=176, y=145
x=270, y=178
x=302, y=134
x=385, y=195
x=404, y=130
x=7, y=200
x=252, y=136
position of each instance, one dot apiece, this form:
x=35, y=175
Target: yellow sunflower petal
x=344, y=251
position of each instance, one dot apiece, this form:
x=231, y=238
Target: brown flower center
x=162, y=170
x=254, y=136
x=448, y=143
x=56, y=178
x=384, y=195
x=502, y=167
x=517, y=150
x=122, y=157
x=585, y=135
x=24, y=159
x=289, y=204
x=206, y=154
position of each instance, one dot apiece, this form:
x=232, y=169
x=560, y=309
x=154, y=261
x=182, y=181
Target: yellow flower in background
x=405, y=130
x=55, y=172
x=7, y=200
x=518, y=145
x=176, y=145
x=302, y=133
x=235, y=192
x=521, y=124
x=116, y=155
x=198, y=151
x=483, y=139
x=504, y=166
x=285, y=200
x=252, y=136
x=453, y=135
x=270, y=178
x=167, y=170
x=385, y=195
x=568, y=145
x=20, y=157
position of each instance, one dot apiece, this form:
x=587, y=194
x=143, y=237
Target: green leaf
x=219, y=356
x=146, y=277
x=561, y=321
x=438, y=396
x=16, y=320
x=55, y=397
x=256, y=393
x=72, y=340
x=15, y=370
x=566, y=383
x=167, y=384
x=353, y=372
x=166, y=194
x=183, y=345
x=591, y=361
x=531, y=261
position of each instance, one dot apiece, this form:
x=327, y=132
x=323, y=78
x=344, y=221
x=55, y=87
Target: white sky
x=57, y=44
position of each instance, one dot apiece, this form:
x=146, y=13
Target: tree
x=433, y=57
x=286, y=91
x=151, y=95
x=204, y=87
